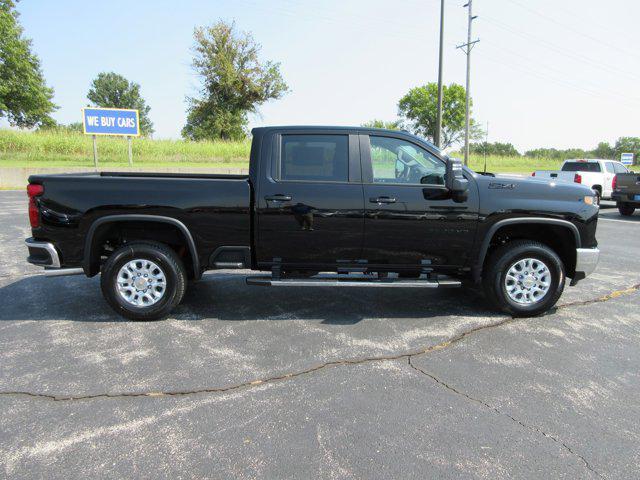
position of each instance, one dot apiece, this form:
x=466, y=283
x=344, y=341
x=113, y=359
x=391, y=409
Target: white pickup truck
x=595, y=173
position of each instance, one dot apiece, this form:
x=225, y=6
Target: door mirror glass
x=455, y=180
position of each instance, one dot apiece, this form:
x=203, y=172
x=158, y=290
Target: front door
x=410, y=220
x=311, y=207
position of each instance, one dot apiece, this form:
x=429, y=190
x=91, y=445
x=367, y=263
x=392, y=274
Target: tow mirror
x=455, y=180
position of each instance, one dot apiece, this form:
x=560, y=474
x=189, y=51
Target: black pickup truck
x=321, y=206
x=626, y=192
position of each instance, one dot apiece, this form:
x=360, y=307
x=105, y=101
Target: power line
x=571, y=86
x=573, y=29
x=609, y=68
x=585, y=83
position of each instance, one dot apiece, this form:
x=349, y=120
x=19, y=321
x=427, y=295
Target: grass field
x=62, y=149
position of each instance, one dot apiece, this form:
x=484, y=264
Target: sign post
x=121, y=122
x=95, y=151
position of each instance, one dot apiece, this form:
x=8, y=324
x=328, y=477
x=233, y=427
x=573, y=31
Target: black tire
x=164, y=257
x=625, y=209
x=499, y=263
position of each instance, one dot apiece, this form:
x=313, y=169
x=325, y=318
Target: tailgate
x=555, y=175
x=628, y=183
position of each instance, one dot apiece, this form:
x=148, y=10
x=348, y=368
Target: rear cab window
x=619, y=168
x=317, y=158
x=581, y=167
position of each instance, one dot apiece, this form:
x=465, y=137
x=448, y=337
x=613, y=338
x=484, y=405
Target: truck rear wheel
x=523, y=278
x=143, y=280
x=625, y=209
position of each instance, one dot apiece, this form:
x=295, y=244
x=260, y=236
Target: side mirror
x=455, y=180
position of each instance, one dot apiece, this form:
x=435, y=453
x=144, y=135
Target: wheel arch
x=91, y=258
x=568, y=255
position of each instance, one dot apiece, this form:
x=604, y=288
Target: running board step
x=351, y=281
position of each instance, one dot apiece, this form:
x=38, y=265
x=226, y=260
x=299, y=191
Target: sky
x=552, y=73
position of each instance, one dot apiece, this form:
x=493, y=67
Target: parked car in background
x=626, y=192
x=595, y=173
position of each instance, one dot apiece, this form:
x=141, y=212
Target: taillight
x=33, y=191
x=614, y=183
x=533, y=174
x=577, y=178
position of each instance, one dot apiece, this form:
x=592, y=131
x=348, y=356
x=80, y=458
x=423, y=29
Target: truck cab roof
x=317, y=129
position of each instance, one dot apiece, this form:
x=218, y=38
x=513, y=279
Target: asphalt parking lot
x=248, y=382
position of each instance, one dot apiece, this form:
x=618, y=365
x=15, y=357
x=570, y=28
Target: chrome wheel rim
x=141, y=283
x=528, y=281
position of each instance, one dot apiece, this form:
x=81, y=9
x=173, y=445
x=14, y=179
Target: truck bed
x=213, y=176
x=214, y=208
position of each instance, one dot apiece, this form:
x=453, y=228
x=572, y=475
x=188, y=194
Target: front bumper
x=586, y=263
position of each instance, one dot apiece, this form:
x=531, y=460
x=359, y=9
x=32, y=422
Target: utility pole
x=436, y=138
x=466, y=48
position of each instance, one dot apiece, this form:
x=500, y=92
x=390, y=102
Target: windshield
x=581, y=167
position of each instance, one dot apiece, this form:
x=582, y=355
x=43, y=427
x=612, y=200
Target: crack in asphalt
x=504, y=414
x=359, y=361
x=604, y=298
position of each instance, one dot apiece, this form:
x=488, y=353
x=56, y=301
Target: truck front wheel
x=143, y=280
x=523, y=278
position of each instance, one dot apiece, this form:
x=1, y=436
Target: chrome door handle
x=278, y=198
x=382, y=200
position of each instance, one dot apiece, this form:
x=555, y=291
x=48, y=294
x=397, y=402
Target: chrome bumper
x=586, y=260
x=43, y=254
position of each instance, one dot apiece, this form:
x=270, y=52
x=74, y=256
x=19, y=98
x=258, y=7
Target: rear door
x=609, y=173
x=410, y=220
x=310, y=203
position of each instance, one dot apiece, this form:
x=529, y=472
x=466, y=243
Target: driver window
x=398, y=161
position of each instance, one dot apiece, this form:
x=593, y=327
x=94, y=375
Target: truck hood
x=510, y=195
x=532, y=187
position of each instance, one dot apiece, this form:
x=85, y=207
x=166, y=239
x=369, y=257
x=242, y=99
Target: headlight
x=589, y=200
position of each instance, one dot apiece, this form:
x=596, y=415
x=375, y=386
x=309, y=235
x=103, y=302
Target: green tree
x=74, y=127
x=420, y=106
x=25, y=99
x=110, y=90
x=497, y=149
x=604, y=150
x=556, y=154
x=234, y=83
x=392, y=125
x=628, y=145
